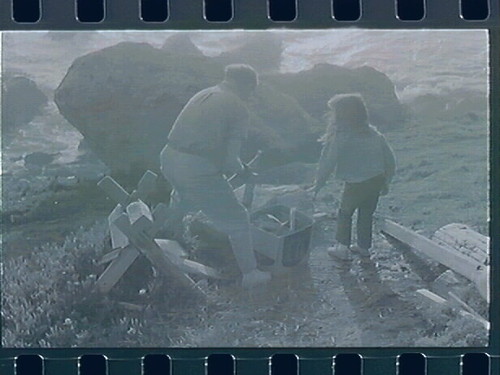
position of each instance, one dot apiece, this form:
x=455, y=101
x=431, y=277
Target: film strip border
x=277, y=364
x=216, y=14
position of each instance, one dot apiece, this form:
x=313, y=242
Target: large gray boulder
x=313, y=88
x=182, y=44
x=22, y=101
x=124, y=99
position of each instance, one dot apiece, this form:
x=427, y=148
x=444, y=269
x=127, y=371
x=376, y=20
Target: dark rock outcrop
x=182, y=44
x=125, y=98
x=314, y=87
x=22, y=101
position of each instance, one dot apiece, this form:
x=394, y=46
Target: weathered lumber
x=136, y=233
x=443, y=304
x=171, y=248
x=463, y=305
x=179, y=257
x=118, y=239
x=114, y=190
x=464, y=239
x=138, y=209
x=117, y=193
x=195, y=268
x=116, y=269
x=109, y=257
x=448, y=256
x=123, y=199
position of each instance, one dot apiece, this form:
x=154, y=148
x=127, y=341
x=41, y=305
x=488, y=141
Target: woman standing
x=362, y=159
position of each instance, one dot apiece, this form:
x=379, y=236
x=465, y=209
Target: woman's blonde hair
x=348, y=113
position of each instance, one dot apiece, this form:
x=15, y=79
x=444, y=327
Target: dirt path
x=319, y=305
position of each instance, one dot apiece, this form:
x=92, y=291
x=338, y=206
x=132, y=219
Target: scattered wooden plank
x=160, y=215
x=146, y=186
x=172, y=248
x=465, y=240
x=138, y=209
x=116, y=269
x=436, y=299
x=118, y=194
x=192, y=267
x=443, y=304
x=114, y=190
x=464, y=306
x=118, y=239
x=179, y=257
x=131, y=306
x=450, y=257
x=147, y=246
x=109, y=257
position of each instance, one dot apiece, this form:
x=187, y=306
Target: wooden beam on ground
x=179, y=257
x=116, y=269
x=114, y=190
x=443, y=304
x=450, y=257
x=195, y=268
x=464, y=239
x=118, y=239
x=171, y=248
x=109, y=257
x=137, y=235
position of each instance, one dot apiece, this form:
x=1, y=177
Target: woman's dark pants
x=362, y=196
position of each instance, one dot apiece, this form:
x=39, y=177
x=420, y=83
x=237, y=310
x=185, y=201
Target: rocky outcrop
x=125, y=98
x=182, y=44
x=314, y=87
x=22, y=101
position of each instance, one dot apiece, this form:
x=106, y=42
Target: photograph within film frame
x=98, y=104
x=97, y=252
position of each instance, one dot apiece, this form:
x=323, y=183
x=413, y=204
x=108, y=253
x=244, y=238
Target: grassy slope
x=441, y=176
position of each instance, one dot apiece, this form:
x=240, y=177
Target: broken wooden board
x=134, y=211
x=179, y=257
x=118, y=239
x=117, y=193
x=464, y=239
x=449, y=257
x=136, y=233
x=116, y=269
x=171, y=247
x=443, y=304
x=121, y=259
